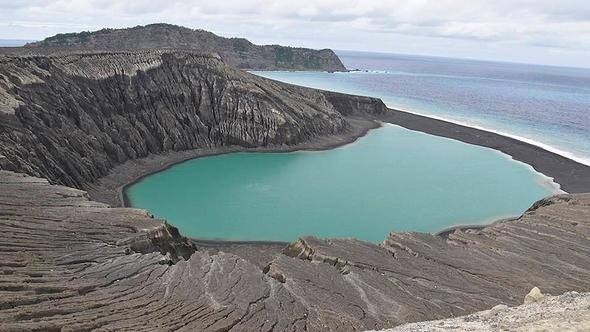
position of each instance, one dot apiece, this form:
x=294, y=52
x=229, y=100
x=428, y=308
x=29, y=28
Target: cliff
x=237, y=52
x=70, y=263
x=72, y=117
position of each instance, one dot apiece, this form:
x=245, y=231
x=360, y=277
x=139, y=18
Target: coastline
x=112, y=188
x=544, y=146
x=543, y=179
x=80, y=252
x=572, y=176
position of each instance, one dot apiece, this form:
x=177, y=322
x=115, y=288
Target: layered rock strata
x=70, y=263
x=71, y=118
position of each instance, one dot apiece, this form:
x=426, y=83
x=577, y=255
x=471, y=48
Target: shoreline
x=112, y=188
x=571, y=176
x=544, y=146
x=546, y=247
x=543, y=180
x=547, y=147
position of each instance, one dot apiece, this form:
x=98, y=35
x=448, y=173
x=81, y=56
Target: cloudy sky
x=532, y=31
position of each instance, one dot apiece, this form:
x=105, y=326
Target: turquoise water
x=393, y=179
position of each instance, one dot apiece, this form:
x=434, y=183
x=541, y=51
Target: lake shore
x=570, y=175
x=567, y=173
x=111, y=189
x=573, y=177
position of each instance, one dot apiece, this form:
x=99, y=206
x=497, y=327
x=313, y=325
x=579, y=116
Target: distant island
x=236, y=52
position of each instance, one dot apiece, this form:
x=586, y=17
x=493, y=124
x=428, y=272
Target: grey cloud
x=548, y=23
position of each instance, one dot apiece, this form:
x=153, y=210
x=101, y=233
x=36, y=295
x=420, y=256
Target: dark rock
x=71, y=118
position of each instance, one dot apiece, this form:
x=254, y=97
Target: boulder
x=534, y=295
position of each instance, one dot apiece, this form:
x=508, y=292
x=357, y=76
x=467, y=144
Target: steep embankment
x=67, y=262
x=73, y=117
x=237, y=52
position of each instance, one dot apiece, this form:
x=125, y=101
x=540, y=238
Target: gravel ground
x=567, y=312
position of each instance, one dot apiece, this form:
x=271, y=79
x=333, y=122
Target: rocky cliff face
x=72, y=117
x=70, y=263
x=237, y=52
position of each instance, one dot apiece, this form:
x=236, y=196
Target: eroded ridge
x=72, y=117
x=69, y=262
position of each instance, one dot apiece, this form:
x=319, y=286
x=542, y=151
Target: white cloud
x=375, y=24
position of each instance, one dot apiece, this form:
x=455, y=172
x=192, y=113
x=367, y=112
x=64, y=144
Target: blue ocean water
x=543, y=105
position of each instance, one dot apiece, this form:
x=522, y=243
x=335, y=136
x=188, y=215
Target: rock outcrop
x=70, y=118
x=69, y=263
x=534, y=295
x=237, y=52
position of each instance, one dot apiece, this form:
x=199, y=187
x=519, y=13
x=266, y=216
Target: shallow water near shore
x=393, y=179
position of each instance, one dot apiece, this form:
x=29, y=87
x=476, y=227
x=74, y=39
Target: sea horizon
x=385, y=53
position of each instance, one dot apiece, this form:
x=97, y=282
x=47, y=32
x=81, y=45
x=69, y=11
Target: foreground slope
x=237, y=52
x=67, y=262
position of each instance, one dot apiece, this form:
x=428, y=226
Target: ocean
x=542, y=105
